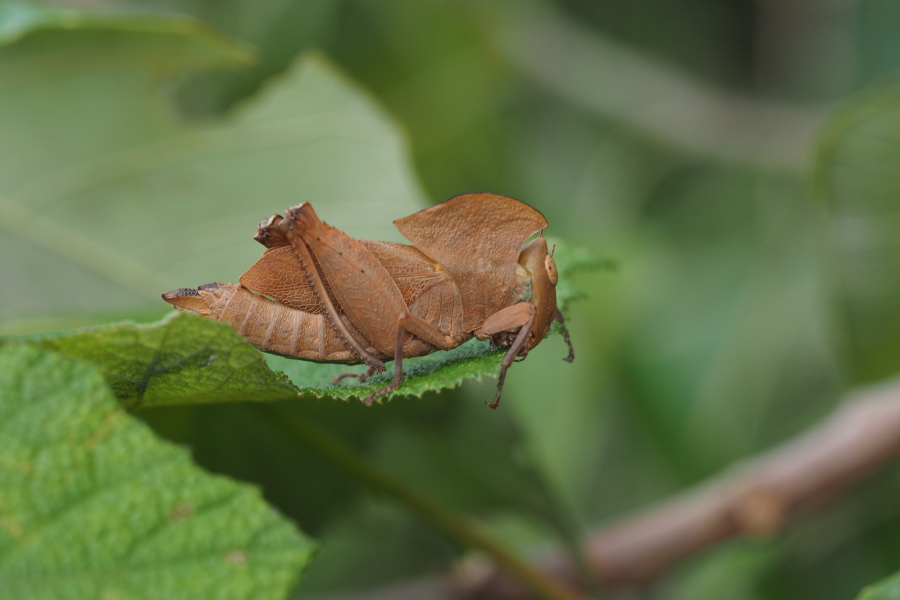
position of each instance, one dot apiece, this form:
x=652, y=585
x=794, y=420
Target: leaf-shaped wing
x=279, y=275
x=412, y=271
x=477, y=238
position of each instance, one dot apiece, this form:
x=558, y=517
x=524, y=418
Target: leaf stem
x=456, y=526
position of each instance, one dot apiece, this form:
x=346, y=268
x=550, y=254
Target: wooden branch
x=758, y=497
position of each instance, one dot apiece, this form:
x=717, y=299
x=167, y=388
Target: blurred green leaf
x=251, y=442
x=485, y=468
x=858, y=177
x=889, y=589
x=280, y=29
x=724, y=295
x=378, y=544
x=474, y=463
x=93, y=505
x=166, y=44
x=116, y=199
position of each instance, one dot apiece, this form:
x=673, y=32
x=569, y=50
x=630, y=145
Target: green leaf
x=858, y=177
x=121, y=199
x=486, y=468
x=280, y=30
x=724, y=283
x=435, y=372
x=191, y=44
x=887, y=589
x=186, y=359
x=183, y=359
x=251, y=442
x=92, y=505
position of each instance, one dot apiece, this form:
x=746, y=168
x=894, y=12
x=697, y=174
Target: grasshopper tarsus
x=360, y=376
x=565, y=332
x=370, y=399
x=568, y=341
x=493, y=404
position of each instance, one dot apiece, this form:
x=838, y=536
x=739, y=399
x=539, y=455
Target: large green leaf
x=888, y=589
x=186, y=359
x=108, y=198
x=858, y=176
x=92, y=505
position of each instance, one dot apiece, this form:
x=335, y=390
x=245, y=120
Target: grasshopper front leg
x=519, y=316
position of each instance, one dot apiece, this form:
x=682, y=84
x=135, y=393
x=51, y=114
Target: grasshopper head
x=539, y=267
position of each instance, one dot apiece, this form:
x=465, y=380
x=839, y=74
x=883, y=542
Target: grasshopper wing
x=477, y=238
x=279, y=275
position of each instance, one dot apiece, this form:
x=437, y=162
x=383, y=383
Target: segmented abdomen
x=269, y=325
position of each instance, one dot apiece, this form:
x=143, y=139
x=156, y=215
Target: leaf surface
x=182, y=359
x=858, y=179
x=888, y=589
x=93, y=505
x=117, y=198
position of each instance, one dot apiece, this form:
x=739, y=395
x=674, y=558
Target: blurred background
x=737, y=160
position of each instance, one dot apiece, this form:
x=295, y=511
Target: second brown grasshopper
x=318, y=294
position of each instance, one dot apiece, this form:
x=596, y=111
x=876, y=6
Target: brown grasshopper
x=318, y=294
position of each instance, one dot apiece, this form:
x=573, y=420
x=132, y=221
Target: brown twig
x=758, y=497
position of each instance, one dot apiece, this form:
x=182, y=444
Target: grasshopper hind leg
x=398, y=370
x=409, y=327
x=360, y=376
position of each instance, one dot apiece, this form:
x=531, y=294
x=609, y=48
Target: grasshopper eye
x=552, y=273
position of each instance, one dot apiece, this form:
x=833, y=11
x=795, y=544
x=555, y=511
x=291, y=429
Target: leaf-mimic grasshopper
x=318, y=294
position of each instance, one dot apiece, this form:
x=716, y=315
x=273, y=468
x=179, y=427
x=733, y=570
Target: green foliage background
x=740, y=162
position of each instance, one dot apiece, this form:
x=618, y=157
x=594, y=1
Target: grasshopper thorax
x=537, y=280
